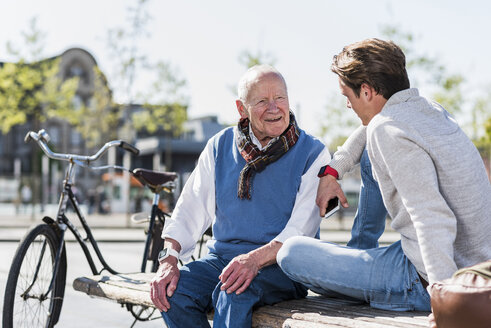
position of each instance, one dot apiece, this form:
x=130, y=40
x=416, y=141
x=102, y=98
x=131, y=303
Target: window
x=54, y=133
x=76, y=138
x=77, y=102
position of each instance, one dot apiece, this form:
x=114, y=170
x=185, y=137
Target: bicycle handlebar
x=42, y=138
x=128, y=147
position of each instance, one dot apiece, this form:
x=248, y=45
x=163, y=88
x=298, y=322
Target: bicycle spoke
x=31, y=308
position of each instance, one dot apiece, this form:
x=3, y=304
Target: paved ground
x=122, y=246
x=119, y=227
x=79, y=310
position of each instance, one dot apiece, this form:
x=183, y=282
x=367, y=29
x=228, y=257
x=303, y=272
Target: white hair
x=250, y=77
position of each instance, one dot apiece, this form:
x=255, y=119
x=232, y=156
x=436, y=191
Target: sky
x=203, y=41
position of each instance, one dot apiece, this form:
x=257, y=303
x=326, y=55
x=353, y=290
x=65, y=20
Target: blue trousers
x=380, y=276
x=198, y=291
x=369, y=223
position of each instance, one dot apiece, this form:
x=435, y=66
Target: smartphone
x=332, y=207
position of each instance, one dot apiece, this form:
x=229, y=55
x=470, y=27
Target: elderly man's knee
x=222, y=299
x=184, y=297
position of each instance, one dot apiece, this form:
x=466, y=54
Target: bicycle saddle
x=153, y=179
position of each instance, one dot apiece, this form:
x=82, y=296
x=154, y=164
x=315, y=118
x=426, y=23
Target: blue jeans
x=198, y=291
x=382, y=277
x=369, y=223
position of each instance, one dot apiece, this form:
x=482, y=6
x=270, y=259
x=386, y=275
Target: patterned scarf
x=256, y=159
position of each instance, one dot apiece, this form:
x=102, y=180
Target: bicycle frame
x=62, y=222
x=55, y=228
x=155, y=212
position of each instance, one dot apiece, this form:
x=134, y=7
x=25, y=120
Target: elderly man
x=255, y=184
x=431, y=178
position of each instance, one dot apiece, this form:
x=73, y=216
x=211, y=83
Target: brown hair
x=380, y=64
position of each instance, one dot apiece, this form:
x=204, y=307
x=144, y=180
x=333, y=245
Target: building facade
x=159, y=151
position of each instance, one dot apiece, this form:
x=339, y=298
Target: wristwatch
x=327, y=170
x=166, y=252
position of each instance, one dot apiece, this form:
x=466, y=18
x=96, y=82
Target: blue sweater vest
x=242, y=225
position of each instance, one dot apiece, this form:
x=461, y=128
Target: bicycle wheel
x=26, y=301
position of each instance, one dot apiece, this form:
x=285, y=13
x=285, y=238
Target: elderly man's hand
x=164, y=283
x=239, y=273
x=329, y=188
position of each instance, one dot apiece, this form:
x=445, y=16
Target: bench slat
x=313, y=312
x=332, y=307
x=98, y=286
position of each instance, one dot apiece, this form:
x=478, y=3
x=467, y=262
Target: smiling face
x=266, y=105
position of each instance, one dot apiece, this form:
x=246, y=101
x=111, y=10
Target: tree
x=249, y=59
x=31, y=88
x=98, y=120
x=123, y=45
x=481, y=126
x=487, y=127
x=339, y=122
x=165, y=106
x=164, y=103
x=425, y=70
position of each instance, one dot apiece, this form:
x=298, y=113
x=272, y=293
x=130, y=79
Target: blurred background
x=162, y=75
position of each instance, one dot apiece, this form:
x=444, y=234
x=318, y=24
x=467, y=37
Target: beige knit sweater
x=433, y=182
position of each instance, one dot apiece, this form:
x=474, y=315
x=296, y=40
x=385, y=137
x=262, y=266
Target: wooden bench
x=314, y=311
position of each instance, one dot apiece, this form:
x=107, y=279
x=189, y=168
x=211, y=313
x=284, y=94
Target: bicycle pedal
x=141, y=217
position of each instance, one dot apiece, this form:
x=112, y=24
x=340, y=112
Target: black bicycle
x=36, y=280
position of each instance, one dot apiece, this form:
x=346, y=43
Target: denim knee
x=288, y=256
x=184, y=312
x=232, y=310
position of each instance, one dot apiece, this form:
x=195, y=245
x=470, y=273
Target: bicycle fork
x=56, y=264
x=59, y=229
x=25, y=295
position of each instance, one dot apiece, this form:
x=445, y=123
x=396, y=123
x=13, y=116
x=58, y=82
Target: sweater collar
x=402, y=96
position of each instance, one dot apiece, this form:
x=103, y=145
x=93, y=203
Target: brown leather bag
x=463, y=301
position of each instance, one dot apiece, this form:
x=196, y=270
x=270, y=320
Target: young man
x=255, y=184
x=432, y=181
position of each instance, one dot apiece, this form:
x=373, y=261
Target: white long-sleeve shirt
x=195, y=208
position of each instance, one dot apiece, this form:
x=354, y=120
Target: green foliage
x=98, y=120
x=164, y=102
x=427, y=68
x=481, y=119
x=167, y=88
x=339, y=121
x=11, y=93
x=32, y=90
x=487, y=128
x=34, y=43
x=168, y=117
x=423, y=70
x=249, y=59
x=450, y=93
x=125, y=51
x=165, y=105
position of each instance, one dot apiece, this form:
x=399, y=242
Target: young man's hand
x=328, y=189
